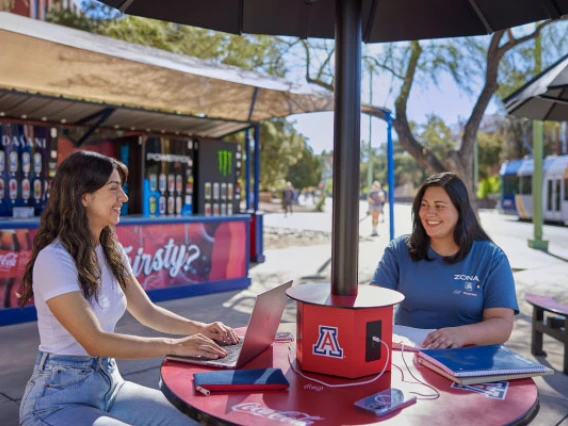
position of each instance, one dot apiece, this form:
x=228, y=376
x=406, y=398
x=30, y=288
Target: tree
x=460, y=159
x=379, y=168
x=436, y=137
x=253, y=52
x=306, y=171
x=419, y=62
x=281, y=147
x=489, y=153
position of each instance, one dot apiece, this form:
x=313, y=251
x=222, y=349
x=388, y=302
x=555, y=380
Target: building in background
x=37, y=9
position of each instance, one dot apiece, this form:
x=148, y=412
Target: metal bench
x=555, y=325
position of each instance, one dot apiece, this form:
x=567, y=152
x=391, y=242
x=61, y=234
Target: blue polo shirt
x=439, y=294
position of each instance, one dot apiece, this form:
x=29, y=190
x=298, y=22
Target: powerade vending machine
x=28, y=162
x=168, y=176
x=218, y=169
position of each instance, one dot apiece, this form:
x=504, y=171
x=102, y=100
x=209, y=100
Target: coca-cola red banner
x=161, y=255
x=165, y=255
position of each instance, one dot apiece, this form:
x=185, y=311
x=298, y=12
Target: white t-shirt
x=55, y=274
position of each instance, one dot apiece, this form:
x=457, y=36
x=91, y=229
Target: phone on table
x=386, y=402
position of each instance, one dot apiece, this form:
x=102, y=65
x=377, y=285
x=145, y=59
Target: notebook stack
x=480, y=364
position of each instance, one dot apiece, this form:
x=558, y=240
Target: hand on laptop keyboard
x=230, y=343
x=219, y=332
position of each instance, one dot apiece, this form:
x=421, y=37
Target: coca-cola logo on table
x=295, y=418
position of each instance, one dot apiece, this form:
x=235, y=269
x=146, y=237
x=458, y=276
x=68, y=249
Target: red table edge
x=206, y=418
x=529, y=416
x=191, y=412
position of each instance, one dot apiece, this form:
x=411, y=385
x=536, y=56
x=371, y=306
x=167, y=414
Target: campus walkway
x=535, y=272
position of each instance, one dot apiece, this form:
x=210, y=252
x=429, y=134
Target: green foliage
x=306, y=171
x=321, y=203
x=436, y=136
x=251, y=52
x=95, y=17
x=408, y=170
x=281, y=146
x=328, y=188
x=491, y=185
x=489, y=153
x=379, y=169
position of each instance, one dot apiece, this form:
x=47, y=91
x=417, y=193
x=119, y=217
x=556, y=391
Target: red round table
x=309, y=403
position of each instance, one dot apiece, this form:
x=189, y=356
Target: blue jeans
x=76, y=390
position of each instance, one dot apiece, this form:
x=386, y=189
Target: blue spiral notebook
x=254, y=380
x=480, y=364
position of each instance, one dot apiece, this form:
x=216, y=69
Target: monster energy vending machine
x=218, y=166
x=28, y=162
x=168, y=176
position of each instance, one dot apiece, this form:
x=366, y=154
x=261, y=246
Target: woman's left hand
x=451, y=337
x=220, y=333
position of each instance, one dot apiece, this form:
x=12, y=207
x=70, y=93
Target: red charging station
x=341, y=335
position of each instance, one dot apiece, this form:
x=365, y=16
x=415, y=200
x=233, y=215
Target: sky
x=447, y=101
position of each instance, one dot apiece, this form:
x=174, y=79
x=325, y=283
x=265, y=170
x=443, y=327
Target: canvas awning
x=57, y=74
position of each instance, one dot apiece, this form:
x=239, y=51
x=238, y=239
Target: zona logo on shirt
x=466, y=277
x=327, y=344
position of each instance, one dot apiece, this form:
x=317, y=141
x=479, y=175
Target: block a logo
x=327, y=344
x=224, y=162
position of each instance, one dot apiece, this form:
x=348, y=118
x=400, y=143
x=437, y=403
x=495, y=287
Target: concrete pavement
x=535, y=272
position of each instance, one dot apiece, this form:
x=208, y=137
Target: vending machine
x=28, y=162
x=168, y=176
x=217, y=168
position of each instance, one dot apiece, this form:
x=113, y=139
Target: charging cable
x=417, y=381
x=435, y=395
x=340, y=385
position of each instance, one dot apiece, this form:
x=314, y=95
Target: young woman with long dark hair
x=82, y=284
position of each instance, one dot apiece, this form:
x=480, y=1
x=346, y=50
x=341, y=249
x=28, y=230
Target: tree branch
x=407, y=140
x=325, y=63
x=383, y=66
x=309, y=79
x=512, y=42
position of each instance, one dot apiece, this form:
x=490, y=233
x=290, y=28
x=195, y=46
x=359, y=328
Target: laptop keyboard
x=233, y=352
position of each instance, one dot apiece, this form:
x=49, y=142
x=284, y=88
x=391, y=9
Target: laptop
x=262, y=326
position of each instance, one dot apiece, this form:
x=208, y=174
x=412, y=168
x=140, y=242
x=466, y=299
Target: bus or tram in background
x=516, y=188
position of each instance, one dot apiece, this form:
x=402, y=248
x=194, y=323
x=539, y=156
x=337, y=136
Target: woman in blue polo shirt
x=453, y=277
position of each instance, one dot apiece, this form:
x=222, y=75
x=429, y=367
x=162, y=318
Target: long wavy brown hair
x=65, y=217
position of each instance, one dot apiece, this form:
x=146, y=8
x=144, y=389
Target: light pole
x=369, y=145
x=538, y=152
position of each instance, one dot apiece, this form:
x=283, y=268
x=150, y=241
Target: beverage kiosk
x=182, y=228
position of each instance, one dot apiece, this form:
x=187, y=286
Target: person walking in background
x=288, y=198
x=454, y=278
x=82, y=283
x=376, y=199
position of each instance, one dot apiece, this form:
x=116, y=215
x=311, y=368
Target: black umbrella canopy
x=385, y=20
x=350, y=22
x=545, y=97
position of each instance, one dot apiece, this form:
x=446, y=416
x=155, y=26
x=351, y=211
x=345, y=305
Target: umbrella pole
x=346, y=148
